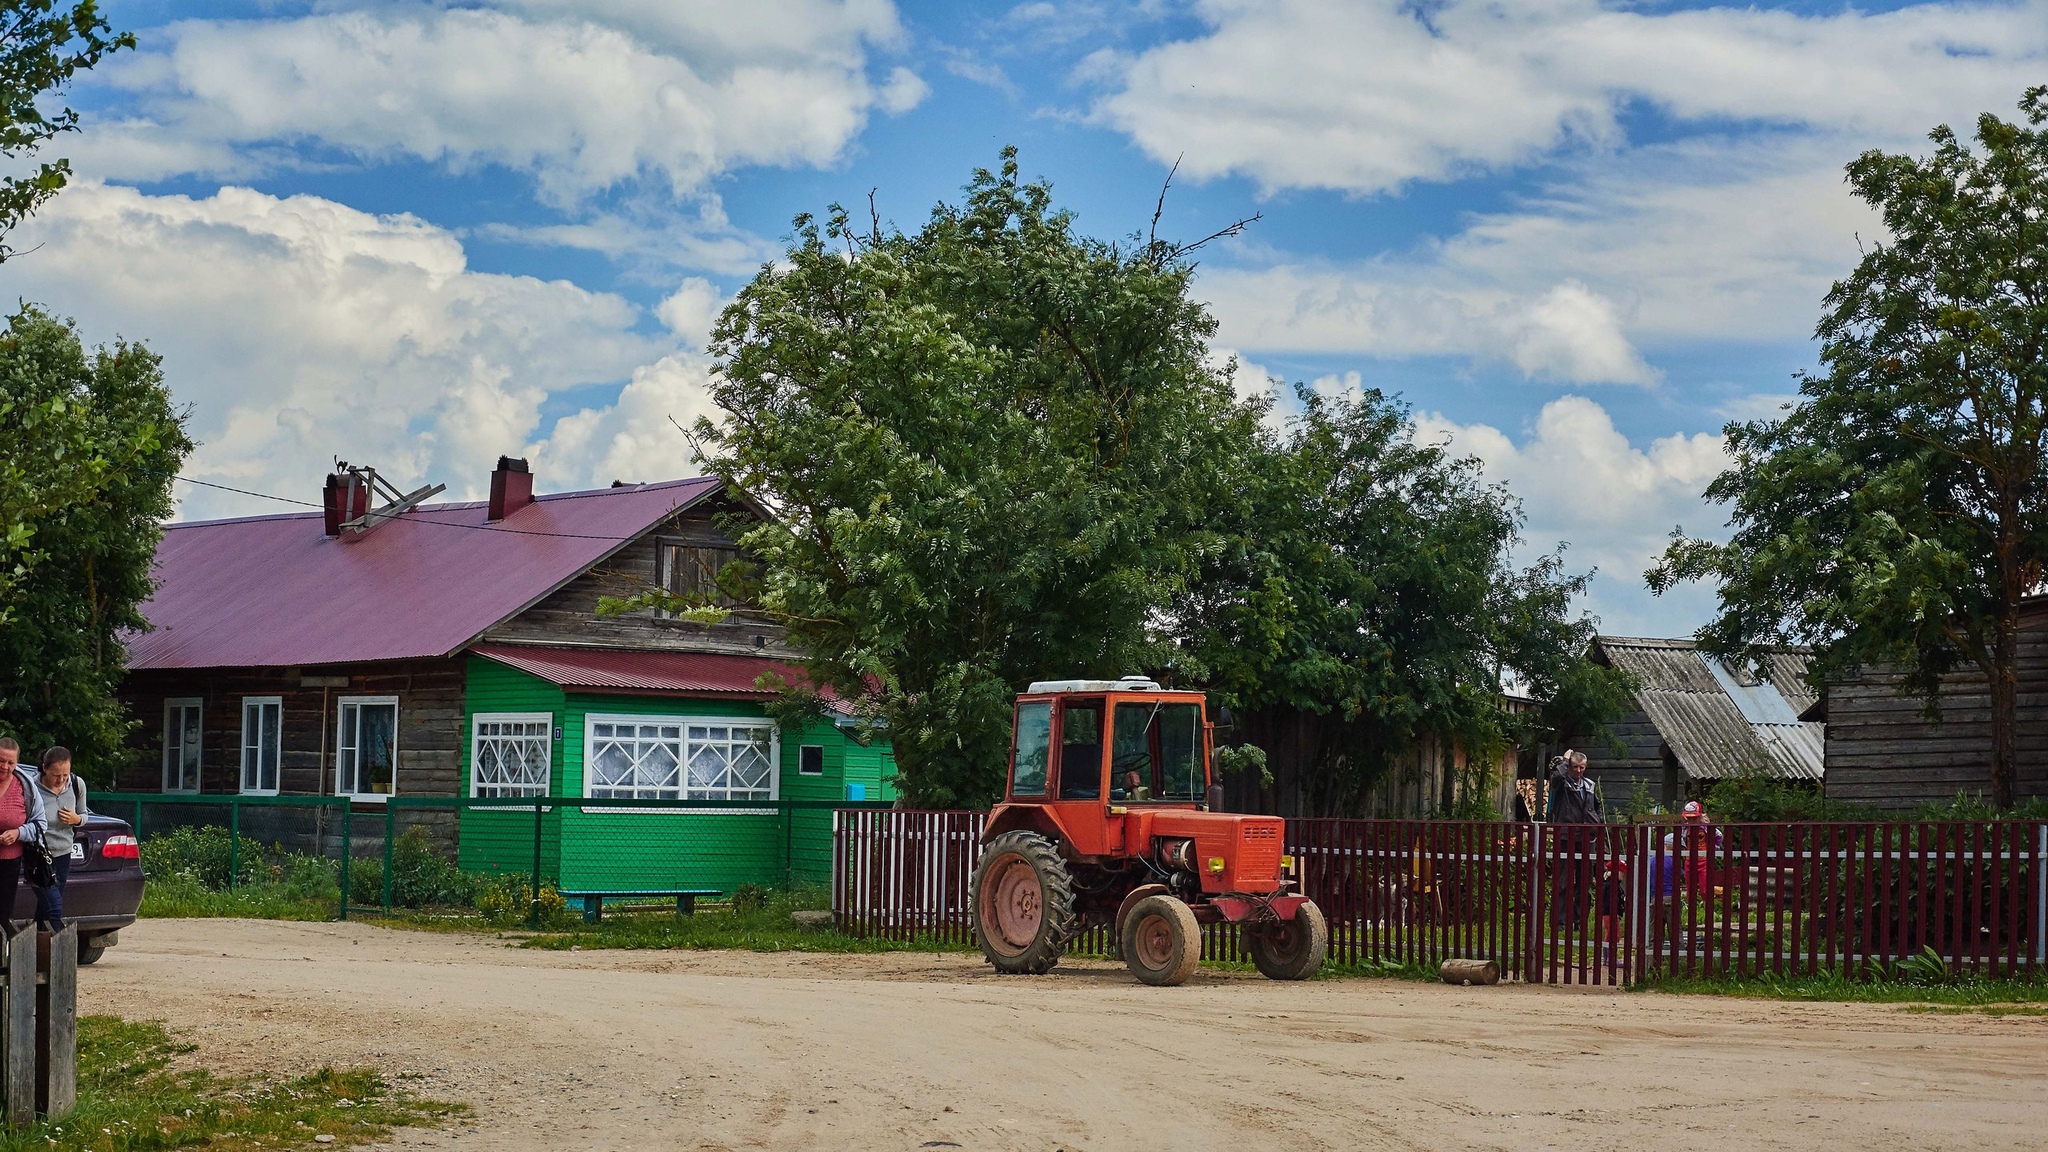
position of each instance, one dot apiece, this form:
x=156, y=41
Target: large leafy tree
x=88, y=446
x=991, y=446
x=1898, y=513
x=1365, y=599
x=43, y=44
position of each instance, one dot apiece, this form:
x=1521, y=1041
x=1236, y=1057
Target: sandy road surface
x=647, y=1050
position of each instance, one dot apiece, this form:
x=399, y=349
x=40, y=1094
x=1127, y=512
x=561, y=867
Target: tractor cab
x=1109, y=818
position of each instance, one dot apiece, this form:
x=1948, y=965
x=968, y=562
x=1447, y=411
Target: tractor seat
x=1081, y=772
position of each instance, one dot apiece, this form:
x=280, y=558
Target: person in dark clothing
x=1574, y=804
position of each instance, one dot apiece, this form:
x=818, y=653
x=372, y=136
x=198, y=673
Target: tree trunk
x=2004, y=684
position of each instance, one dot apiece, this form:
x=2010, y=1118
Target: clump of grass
x=761, y=923
x=180, y=895
x=1919, y=980
x=132, y=1096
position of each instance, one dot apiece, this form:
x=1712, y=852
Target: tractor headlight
x=1215, y=865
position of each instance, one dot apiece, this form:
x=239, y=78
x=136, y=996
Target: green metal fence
x=449, y=852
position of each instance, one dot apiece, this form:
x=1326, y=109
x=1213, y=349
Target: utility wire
x=408, y=520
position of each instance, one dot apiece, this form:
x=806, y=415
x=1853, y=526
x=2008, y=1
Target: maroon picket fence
x=1604, y=904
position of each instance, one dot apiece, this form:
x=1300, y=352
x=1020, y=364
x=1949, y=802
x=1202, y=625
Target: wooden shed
x=1698, y=719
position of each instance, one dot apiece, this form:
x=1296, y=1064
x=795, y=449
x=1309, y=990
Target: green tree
x=1365, y=600
x=88, y=445
x=1898, y=512
x=43, y=44
x=991, y=448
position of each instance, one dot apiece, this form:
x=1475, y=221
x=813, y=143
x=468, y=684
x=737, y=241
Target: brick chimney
x=347, y=498
x=511, y=488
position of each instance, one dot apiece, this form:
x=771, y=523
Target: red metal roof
x=273, y=591
x=600, y=669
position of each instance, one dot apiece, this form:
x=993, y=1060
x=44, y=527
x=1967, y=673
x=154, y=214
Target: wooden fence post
x=18, y=1029
x=57, y=1023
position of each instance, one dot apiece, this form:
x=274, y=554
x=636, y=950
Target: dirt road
x=647, y=1050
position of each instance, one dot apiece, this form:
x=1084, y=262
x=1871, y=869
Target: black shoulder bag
x=36, y=869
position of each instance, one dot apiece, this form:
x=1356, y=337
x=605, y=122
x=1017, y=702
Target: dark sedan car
x=105, y=888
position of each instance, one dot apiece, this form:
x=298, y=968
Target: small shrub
x=507, y=901
x=749, y=899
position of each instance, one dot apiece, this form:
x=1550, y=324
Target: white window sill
x=365, y=797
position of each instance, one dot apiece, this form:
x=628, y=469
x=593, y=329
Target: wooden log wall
x=569, y=616
x=430, y=711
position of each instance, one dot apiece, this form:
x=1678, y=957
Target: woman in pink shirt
x=21, y=823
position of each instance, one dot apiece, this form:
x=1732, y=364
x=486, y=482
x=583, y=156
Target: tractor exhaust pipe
x=1215, y=797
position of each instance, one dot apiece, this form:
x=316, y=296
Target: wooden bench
x=686, y=899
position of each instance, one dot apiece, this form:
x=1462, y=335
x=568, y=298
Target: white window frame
x=179, y=704
x=547, y=738
x=803, y=748
x=592, y=720
x=255, y=744
x=342, y=741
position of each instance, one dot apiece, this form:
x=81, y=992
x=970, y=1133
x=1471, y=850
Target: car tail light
x=120, y=848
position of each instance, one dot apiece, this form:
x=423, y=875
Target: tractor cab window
x=1081, y=751
x=1034, y=740
x=1156, y=753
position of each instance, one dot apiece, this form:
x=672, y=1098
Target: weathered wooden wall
x=1883, y=750
x=429, y=723
x=569, y=616
x=1641, y=762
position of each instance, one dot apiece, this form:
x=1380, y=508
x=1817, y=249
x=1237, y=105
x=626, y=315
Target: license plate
x=77, y=851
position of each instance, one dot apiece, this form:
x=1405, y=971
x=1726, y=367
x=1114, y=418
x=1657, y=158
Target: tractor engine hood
x=1232, y=853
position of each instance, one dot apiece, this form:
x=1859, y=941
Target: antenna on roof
x=349, y=492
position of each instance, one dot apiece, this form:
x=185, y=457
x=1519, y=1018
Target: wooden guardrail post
x=18, y=1029
x=56, y=1063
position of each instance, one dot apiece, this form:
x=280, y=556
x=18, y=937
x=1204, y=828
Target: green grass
x=131, y=1095
x=1961, y=991
x=182, y=895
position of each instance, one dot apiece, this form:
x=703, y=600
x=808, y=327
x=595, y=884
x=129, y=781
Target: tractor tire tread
x=1057, y=889
x=1300, y=963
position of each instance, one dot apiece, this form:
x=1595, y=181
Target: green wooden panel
x=648, y=850
x=629, y=850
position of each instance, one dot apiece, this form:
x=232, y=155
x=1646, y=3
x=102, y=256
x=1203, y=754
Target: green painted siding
x=626, y=850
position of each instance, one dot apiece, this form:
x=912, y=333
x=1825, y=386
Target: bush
x=748, y=899
x=507, y=901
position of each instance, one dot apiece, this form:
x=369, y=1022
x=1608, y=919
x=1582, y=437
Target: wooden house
x=456, y=650
x=1698, y=719
x=1883, y=749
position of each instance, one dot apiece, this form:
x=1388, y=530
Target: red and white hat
x=1693, y=811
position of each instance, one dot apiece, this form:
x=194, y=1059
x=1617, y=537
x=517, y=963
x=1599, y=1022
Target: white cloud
x=646, y=435
x=1367, y=95
x=1583, y=483
x=692, y=309
x=1706, y=239
x=299, y=329
x=583, y=96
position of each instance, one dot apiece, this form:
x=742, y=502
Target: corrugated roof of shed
x=1701, y=723
x=277, y=591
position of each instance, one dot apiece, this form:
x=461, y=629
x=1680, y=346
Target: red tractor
x=1110, y=819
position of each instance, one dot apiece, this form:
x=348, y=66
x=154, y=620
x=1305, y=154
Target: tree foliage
x=88, y=445
x=1898, y=513
x=43, y=44
x=1366, y=600
x=991, y=447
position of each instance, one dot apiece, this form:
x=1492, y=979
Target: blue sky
x=1577, y=237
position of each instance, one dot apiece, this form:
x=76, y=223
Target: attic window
x=691, y=571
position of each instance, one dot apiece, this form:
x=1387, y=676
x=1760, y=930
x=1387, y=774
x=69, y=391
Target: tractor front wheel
x=1161, y=941
x=1023, y=904
x=1291, y=949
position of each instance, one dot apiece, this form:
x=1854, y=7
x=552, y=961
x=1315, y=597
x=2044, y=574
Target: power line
x=409, y=519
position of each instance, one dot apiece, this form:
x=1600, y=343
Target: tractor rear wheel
x=1291, y=949
x=1023, y=904
x=1161, y=941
